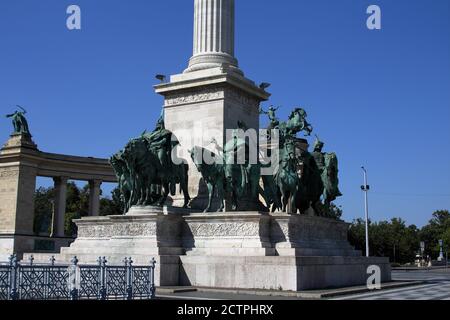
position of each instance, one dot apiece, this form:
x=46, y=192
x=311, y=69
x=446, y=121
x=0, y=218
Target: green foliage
x=70, y=228
x=113, y=206
x=77, y=206
x=438, y=228
x=43, y=209
x=399, y=242
x=330, y=211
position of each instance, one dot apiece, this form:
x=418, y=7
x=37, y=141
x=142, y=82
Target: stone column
x=59, y=206
x=212, y=95
x=213, y=35
x=94, y=198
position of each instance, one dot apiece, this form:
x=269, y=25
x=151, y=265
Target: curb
x=300, y=294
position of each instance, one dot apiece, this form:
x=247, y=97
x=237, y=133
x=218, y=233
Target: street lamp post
x=366, y=189
x=441, y=250
x=422, y=251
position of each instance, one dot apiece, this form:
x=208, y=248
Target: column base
x=205, y=61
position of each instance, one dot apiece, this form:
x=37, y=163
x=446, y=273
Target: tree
x=357, y=235
x=437, y=229
x=393, y=239
x=77, y=206
x=330, y=211
x=113, y=206
x=43, y=208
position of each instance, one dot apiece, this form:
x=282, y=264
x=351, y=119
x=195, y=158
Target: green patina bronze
x=230, y=172
x=327, y=164
x=271, y=113
x=302, y=179
x=213, y=174
x=19, y=121
x=145, y=170
x=287, y=178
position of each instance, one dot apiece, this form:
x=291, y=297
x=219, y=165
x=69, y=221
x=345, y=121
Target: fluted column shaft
x=213, y=35
x=214, y=26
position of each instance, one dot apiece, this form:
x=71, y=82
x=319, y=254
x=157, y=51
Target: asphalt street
x=435, y=286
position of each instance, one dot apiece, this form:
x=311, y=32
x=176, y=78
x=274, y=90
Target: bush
x=70, y=229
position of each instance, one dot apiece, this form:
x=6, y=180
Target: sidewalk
x=199, y=293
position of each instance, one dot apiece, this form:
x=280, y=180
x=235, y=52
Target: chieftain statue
x=327, y=164
x=230, y=173
x=146, y=171
x=302, y=180
x=19, y=121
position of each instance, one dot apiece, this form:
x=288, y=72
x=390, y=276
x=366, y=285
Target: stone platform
x=246, y=250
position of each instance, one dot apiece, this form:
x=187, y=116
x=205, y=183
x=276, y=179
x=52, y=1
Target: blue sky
x=378, y=98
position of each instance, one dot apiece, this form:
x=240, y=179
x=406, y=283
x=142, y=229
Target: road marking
x=381, y=293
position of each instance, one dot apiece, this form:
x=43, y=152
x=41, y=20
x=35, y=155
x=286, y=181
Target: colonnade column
x=59, y=210
x=94, y=198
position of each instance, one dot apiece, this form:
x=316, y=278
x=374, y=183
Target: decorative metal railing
x=19, y=281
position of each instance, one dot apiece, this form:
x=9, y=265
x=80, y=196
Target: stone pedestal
x=246, y=250
x=279, y=273
x=18, y=141
x=227, y=234
x=17, y=186
x=201, y=106
x=304, y=235
x=144, y=233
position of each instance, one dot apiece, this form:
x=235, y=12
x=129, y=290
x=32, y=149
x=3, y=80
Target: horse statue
x=310, y=184
x=146, y=172
x=123, y=178
x=213, y=175
x=270, y=193
x=287, y=178
x=297, y=123
x=318, y=180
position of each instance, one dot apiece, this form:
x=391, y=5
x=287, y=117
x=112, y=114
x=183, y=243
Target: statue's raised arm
x=24, y=112
x=262, y=111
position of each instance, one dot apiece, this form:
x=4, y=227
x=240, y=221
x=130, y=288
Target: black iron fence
x=29, y=281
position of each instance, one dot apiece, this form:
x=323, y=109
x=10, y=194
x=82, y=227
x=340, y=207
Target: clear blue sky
x=378, y=98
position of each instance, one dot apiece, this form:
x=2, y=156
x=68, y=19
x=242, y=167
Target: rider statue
x=300, y=123
x=19, y=121
x=160, y=141
x=327, y=164
x=318, y=155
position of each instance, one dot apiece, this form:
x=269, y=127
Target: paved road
x=436, y=287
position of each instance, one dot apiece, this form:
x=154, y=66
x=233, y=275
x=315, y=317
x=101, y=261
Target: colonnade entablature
x=21, y=162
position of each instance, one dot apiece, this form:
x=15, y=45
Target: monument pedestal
x=245, y=250
x=278, y=272
x=202, y=105
x=17, y=187
x=227, y=234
